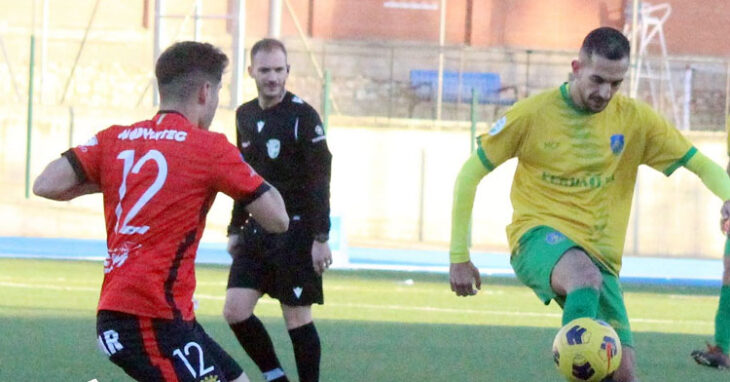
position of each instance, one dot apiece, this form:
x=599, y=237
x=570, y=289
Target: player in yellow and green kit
x=578, y=148
x=717, y=355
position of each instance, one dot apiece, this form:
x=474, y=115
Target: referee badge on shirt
x=617, y=143
x=273, y=146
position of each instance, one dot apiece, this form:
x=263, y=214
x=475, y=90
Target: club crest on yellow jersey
x=617, y=143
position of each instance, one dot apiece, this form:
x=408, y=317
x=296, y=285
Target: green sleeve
x=464, y=191
x=712, y=175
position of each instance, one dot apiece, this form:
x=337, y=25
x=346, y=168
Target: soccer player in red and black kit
x=282, y=138
x=159, y=177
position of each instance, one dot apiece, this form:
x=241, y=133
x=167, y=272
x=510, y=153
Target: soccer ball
x=587, y=350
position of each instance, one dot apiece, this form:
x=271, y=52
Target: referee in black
x=282, y=138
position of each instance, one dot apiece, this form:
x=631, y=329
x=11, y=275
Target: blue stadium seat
x=424, y=84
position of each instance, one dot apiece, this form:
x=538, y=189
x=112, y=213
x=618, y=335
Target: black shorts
x=151, y=349
x=279, y=265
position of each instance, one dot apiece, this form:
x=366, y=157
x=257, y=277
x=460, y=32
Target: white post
x=44, y=50
x=156, y=52
x=442, y=40
x=274, y=18
x=197, y=21
x=33, y=12
x=633, y=85
x=633, y=90
x=687, y=97
x=239, y=53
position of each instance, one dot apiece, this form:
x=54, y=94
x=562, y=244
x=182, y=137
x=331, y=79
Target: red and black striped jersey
x=159, y=178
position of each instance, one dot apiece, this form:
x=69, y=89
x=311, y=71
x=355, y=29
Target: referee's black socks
x=254, y=339
x=307, y=351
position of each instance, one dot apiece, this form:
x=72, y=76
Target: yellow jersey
x=576, y=170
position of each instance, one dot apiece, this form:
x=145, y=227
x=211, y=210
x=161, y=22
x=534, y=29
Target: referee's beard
x=272, y=92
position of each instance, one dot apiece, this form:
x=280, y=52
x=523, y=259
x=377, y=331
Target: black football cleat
x=712, y=357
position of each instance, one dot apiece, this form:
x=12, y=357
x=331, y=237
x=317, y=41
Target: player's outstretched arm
x=59, y=181
x=711, y=174
x=716, y=180
x=464, y=276
x=269, y=211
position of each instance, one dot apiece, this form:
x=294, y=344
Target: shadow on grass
x=36, y=348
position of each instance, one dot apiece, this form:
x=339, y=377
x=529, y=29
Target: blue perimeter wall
x=673, y=271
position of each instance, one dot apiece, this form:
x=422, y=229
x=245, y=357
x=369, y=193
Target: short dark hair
x=267, y=44
x=606, y=42
x=184, y=65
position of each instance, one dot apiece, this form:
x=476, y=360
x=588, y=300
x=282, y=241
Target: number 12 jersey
x=159, y=178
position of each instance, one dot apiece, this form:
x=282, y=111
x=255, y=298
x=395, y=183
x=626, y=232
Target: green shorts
x=727, y=247
x=539, y=249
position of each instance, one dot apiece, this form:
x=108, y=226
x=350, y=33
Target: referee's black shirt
x=286, y=145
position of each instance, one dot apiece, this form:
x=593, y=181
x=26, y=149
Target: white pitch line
x=472, y=311
x=383, y=307
x=51, y=287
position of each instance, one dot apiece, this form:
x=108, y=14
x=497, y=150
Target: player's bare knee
x=234, y=312
x=240, y=304
x=592, y=277
x=296, y=316
x=576, y=270
x=297, y=322
x=232, y=316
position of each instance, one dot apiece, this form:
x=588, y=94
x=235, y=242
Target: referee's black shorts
x=279, y=265
x=151, y=349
